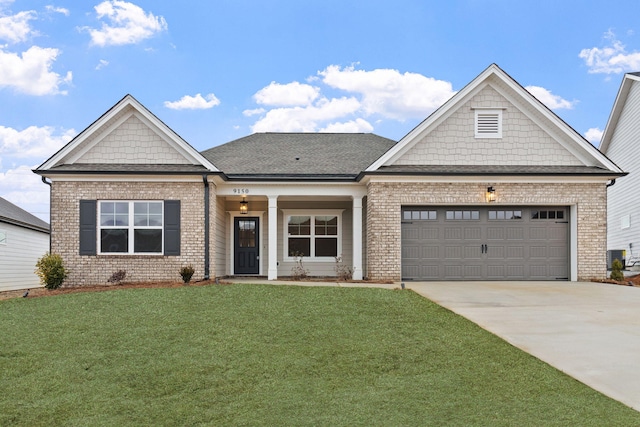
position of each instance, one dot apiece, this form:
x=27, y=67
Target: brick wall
x=86, y=270
x=384, y=203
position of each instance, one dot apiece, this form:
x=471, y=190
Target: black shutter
x=172, y=227
x=88, y=227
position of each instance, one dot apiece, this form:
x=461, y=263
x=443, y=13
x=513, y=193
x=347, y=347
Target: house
x=620, y=143
x=491, y=186
x=24, y=239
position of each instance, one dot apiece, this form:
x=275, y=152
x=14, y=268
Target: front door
x=246, y=245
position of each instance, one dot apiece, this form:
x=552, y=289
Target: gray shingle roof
x=298, y=154
x=11, y=214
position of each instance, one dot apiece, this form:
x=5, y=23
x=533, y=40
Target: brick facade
x=385, y=200
x=85, y=270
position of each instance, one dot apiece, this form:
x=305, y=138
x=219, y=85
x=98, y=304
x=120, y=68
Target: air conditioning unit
x=619, y=254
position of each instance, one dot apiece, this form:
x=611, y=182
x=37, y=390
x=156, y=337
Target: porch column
x=273, y=238
x=357, y=238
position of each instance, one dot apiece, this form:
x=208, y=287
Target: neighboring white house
x=621, y=143
x=24, y=238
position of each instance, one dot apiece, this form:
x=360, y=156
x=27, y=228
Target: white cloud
x=555, y=102
x=305, y=119
x=593, y=135
x=23, y=188
x=197, y=102
x=352, y=126
x=33, y=142
x=287, y=95
x=611, y=59
x=101, y=64
x=62, y=10
x=388, y=92
x=254, y=112
x=31, y=73
x=126, y=23
x=16, y=28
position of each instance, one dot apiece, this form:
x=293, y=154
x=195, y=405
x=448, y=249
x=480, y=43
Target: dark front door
x=246, y=245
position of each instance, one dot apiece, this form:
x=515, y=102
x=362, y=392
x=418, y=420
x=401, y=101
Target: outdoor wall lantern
x=244, y=206
x=491, y=194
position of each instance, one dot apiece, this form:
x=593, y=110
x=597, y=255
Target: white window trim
x=3, y=237
x=498, y=112
x=309, y=212
x=131, y=228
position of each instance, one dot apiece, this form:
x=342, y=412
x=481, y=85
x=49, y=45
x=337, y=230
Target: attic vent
x=488, y=123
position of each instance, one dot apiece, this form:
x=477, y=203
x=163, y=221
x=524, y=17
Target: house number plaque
x=240, y=191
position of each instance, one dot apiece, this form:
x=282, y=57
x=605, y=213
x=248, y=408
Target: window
x=3, y=237
x=463, y=215
x=312, y=234
x=504, y=215
x=625, y=222
x=547, y=214
x=130, y=227
x=419, y=214
x=488, y=123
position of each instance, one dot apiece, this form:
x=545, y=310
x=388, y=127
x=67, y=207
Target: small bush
x=117, y=277
x=298, y=271
x=50, y=269
x=616, y=271
x=343, y=272
x=186, y=273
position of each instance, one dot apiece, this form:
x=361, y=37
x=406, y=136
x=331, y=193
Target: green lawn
x=273, y=356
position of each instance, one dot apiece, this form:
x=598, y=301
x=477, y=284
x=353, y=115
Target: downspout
x=44, y=179
x=205, y=180
x=610, y=183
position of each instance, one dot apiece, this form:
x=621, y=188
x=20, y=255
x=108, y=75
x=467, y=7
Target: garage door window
x=547, y=214
x=463, y=215
x=504, y=215
x=420, y=215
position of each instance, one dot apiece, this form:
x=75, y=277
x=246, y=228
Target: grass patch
x=273, y=355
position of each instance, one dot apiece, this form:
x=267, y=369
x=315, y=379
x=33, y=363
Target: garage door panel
x=430, y=233
x=472, y=233
x=538, y=233
x=430, y=272
x=431, y=252
x=515, y=233
x=453, y=271
x=495, y=233
x=515, y=253
x=453, y=233
x=454, y=252
x=496, y=252
x=411, y=252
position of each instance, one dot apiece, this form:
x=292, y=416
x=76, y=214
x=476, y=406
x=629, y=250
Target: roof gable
x=531, y=135
x=127, y=134
x=627, y=93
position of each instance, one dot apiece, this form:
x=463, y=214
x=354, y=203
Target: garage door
x=485, y=243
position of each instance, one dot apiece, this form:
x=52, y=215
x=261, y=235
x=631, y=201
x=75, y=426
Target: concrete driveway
x=590, y=331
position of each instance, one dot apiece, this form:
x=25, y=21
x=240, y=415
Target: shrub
x=50, y=269
x=616, y=270
x=117, y=277
x=298, y=271
x=343, y=272
x=186, y=273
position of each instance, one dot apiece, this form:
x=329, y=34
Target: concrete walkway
x=590, y=331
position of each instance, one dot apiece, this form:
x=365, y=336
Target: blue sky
x=218, y=70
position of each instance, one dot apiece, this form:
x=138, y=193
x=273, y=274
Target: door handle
x=484, y=248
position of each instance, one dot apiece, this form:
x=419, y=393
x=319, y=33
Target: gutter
x=205, y=180
x=611, y=183
x=44, y=179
